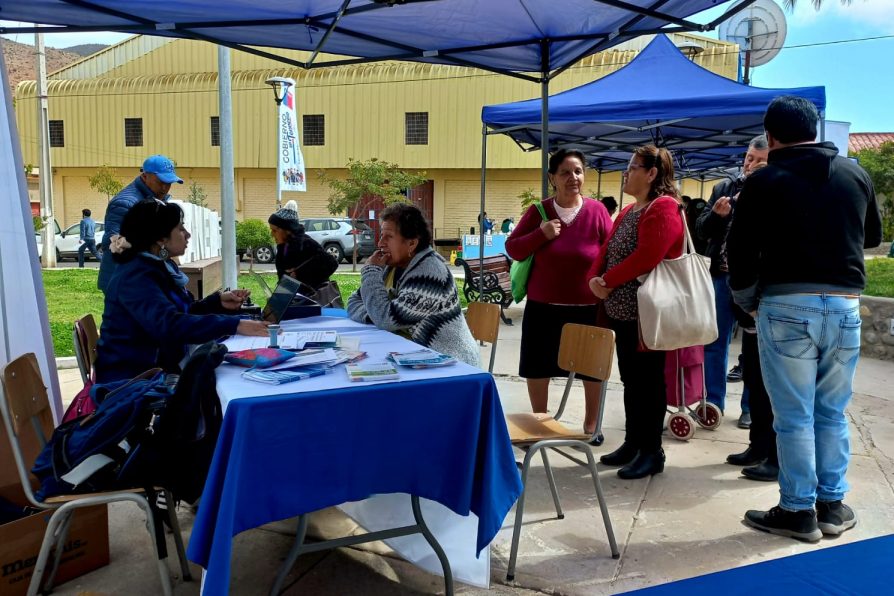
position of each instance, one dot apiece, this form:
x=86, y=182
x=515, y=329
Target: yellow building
x=150, y=95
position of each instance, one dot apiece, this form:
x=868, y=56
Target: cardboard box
x=86, y=549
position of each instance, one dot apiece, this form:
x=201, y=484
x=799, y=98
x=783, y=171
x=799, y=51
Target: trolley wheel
x=681, y=427
x=708, y=416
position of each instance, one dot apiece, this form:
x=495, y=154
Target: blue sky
x=858, y=75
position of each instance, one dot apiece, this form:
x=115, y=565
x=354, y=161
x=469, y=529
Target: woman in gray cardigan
x=406, y=288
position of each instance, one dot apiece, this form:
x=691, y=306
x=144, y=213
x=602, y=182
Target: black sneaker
x=735, y=374
x=800, y=525
x=834, y=517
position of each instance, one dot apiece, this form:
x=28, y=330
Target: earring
x=163, y=253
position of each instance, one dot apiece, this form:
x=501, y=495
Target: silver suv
x=337, y=236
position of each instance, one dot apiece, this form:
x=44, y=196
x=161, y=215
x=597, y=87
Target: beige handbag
x=676, y=301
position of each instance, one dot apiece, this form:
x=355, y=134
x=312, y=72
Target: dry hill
x=21, y=61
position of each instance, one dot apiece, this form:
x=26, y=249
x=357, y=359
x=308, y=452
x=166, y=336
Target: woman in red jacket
x=564, y=248
x=645, y=233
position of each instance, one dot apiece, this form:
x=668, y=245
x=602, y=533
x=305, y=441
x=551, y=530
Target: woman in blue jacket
x=150, y=317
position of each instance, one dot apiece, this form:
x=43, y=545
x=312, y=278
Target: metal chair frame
x=19, y=411
x=586, y=350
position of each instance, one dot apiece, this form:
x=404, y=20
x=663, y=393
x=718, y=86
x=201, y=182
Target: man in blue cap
x=154, y=182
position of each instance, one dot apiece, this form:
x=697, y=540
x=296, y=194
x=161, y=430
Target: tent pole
x=544, y=120
x=701, y=189
x=822, y=127
x=227, y=177
x=481, y=210
x=621, y=193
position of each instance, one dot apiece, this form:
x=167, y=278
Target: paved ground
x=682, y=523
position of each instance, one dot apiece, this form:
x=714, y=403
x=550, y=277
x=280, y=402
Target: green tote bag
x=521, y=270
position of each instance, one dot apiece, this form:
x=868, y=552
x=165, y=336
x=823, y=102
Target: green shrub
x=252, y=233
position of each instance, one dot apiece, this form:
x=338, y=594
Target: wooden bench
x=495, y=286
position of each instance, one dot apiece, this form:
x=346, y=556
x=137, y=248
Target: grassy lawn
x=880, y=277
x=72, y=293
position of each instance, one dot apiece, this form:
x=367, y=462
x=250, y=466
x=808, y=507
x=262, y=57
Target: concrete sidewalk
x=682, y=523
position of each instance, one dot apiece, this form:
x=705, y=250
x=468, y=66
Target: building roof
x=868, y=140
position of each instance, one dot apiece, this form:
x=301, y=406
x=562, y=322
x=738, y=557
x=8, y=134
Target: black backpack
x=152, y=430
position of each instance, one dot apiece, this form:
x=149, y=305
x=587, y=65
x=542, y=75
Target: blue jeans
x=809, y=345
x=717, y=352
x=91, y=244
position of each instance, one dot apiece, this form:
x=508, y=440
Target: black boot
x=621, y=456
x=749, y=457
x=645, y=464
x=764, y=472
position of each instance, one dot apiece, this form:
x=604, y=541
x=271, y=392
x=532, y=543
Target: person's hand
x=597, y=286
x=378, y=258
x=551, y=228
x=232, y=300
x=255, y=328
x=753, y=314
x=722, y=207
x=80, y=242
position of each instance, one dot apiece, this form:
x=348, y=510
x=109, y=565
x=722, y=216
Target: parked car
x=337, y=236
x=262, y=254
x=68, y=241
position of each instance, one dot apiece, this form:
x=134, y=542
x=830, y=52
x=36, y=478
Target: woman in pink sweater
x=649, y=230
x=564, y=249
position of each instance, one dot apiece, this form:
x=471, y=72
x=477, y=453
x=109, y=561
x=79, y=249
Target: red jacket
x=659, y=237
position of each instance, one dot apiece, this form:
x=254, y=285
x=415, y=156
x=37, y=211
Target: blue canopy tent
x=512, y=37
x=661, y=97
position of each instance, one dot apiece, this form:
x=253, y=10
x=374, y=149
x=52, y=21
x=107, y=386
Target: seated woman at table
x=406, y=287
x=149, y=315
x=297, y=254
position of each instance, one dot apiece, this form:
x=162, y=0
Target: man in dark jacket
x=802, y=272
x=154, y=182
x=712, y=227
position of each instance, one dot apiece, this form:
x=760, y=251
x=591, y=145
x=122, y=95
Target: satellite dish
x=759, y=30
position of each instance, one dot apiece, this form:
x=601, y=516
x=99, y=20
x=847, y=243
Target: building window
x=57, y=133
x=314, y=129
x=417, y=128
x=215, y=131
x=133, y=132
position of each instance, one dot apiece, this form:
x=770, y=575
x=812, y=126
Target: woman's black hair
x=146, y=223
x=409, y=221
x=556, y=159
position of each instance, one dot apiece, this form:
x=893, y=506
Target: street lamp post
x=280, y=87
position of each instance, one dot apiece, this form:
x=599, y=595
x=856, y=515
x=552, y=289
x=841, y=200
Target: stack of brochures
x=421, y=359
x=285, y=375
x=372, y=371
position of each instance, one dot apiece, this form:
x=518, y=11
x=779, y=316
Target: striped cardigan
x=425, y=304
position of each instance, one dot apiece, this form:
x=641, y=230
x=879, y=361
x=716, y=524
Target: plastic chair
x=24, y=405
x=85, y=337
x=483, y=320
x=586, y=350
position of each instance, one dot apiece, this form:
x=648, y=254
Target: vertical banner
x=290, y=162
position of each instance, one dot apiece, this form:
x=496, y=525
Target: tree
x=528, y=197
x=196, y=194
x=790, y=4
x=104, y=181
x=879, y=164
x=366, y=181
x=252, y=234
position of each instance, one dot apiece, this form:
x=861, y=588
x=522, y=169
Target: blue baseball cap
x=162, y=167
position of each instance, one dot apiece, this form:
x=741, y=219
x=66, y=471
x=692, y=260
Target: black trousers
x=761, y=435
x=645, y=394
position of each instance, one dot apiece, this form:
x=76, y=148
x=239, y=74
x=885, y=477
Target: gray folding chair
x=586, y=350
x=23, y=405
x=483, y=319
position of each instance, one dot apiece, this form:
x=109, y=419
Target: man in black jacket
x=712, y=227
x=801, y=271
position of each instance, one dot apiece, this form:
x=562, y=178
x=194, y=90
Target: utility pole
x=46, y=170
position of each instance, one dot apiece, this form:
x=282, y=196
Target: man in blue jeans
x=795, y=254
x=87, y=231
x=712, y=227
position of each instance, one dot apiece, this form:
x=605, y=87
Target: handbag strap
x=542, y=210
x=687, y=238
